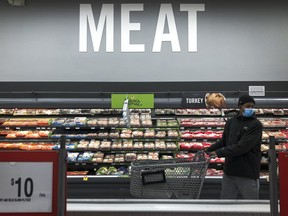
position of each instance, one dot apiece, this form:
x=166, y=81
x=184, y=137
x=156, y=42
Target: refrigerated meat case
x=70, y=117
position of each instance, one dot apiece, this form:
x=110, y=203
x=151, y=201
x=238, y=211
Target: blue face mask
x=248, y=112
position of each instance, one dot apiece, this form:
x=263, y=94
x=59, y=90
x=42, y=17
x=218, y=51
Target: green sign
x=136, y=101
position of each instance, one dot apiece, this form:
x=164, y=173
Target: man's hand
x=205, y=149
x=212, y=154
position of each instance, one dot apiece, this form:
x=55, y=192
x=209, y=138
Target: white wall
x=237, y=41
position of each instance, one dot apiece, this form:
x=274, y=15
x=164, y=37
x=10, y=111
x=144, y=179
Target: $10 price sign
x=26, y=186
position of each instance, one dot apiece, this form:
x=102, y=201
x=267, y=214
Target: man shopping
x=240, y=145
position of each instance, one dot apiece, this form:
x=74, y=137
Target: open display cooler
x=101, y=147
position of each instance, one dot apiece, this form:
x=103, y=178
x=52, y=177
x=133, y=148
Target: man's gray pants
x=238, y=187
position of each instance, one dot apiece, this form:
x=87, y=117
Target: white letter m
x=86, y=17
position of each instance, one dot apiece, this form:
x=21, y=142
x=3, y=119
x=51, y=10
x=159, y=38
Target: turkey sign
x=165, y=18
x=213, y=100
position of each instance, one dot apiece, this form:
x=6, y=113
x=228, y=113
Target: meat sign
x=165, y=17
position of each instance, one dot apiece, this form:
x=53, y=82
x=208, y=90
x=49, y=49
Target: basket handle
x=199, y=156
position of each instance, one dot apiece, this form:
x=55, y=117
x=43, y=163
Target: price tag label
x=26, y=187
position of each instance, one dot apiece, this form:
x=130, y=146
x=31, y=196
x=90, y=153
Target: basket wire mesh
x=167, y=179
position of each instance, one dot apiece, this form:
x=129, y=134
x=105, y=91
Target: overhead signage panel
x=135, y=101
x=213, y=100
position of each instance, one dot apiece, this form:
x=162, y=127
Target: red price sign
x=29, y=183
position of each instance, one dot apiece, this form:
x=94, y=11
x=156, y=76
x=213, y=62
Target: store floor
x=129, y=207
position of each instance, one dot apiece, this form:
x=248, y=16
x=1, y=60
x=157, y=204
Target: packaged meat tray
x=160, y=134
x=47, y=112
x=6, y=111
x=98, y=157
x=109, y=158
x=172, y=133
x=92, y=122
x=127, y=145
x=83, y=144
x=278, y=112
x=137, y=134
x=113, y=122
x=6, y=146
x=138, y=146
x=77, y=173
x=85, y=157
x=160, y=145
x=116, y=145
x=94, y=144
x=172, y=146
x=58, y=122
x=24, y=112
x=164, y=111
x=95, y=111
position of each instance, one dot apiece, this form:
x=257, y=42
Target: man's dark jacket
x=241, y=147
